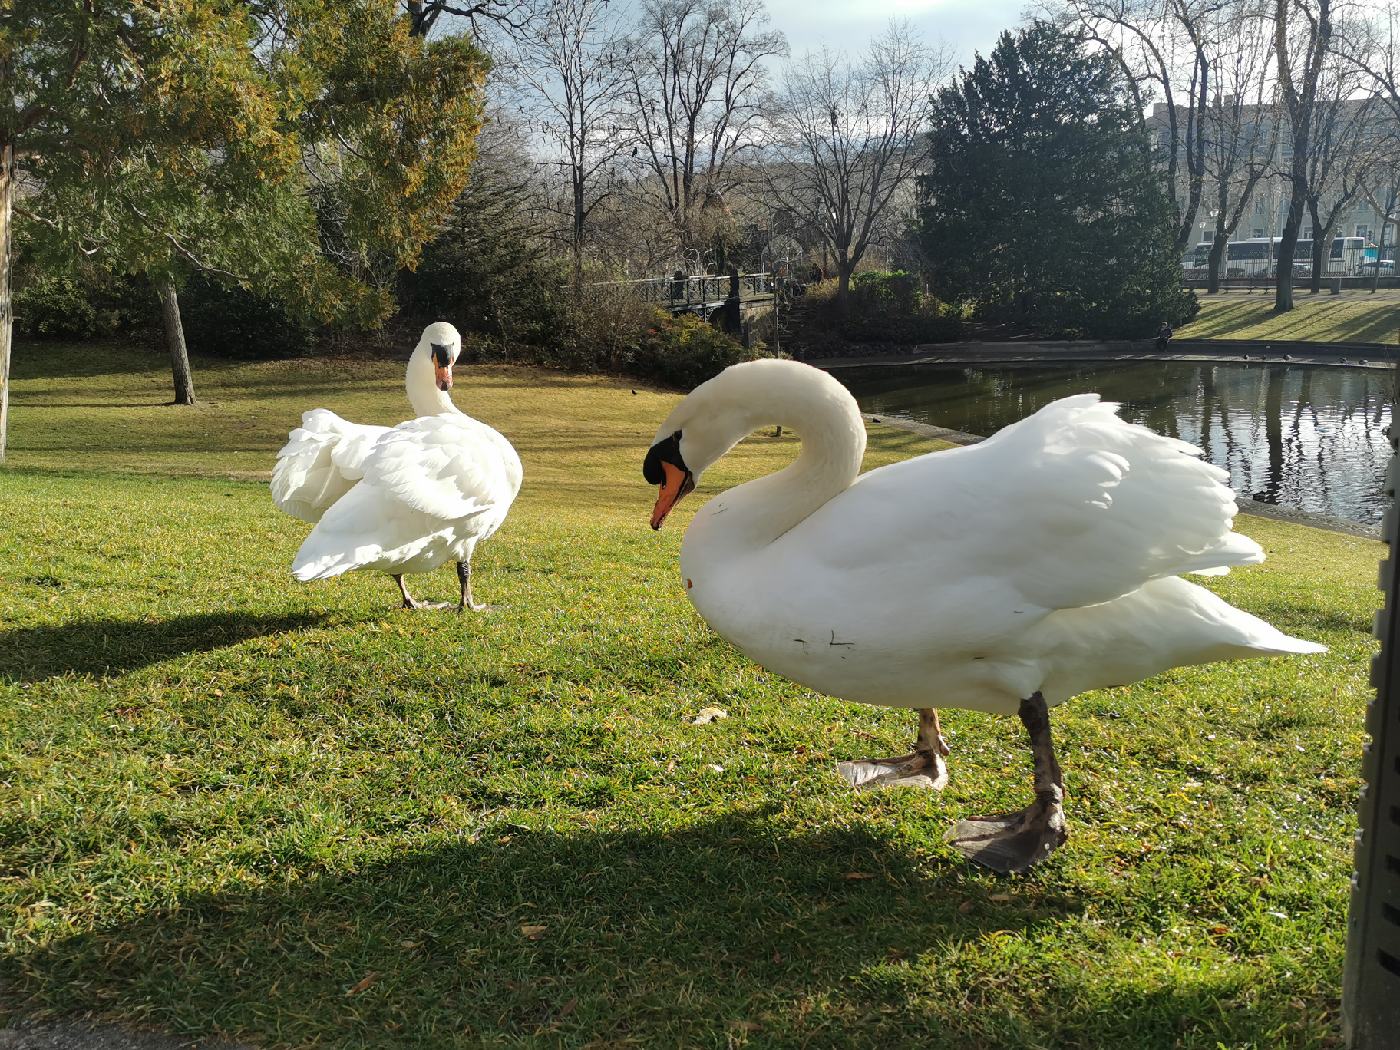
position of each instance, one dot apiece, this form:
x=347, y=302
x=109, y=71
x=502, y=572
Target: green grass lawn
x=298, y=816
x=1354, y=317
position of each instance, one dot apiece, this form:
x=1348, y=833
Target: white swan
x=400, y=500
x=1003, y=577
x=325, y=456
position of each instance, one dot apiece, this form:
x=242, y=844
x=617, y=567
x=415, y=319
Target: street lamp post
x=1371, y=978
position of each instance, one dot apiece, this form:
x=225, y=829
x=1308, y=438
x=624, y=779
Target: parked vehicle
x=1255, y=257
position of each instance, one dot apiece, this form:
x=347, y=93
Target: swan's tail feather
x=321, y=568
x=325, y=554
x=1234, y=549
x=1280, y=644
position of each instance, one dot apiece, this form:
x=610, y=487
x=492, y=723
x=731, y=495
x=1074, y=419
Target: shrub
x=609, y=331
x=685, y=351
x=69, y=306
x=227, y=321
x=885, y=291
x=884, y=307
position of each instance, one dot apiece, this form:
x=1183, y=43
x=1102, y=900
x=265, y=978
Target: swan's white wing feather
x=368, y=529
x=1072, y=506
x=320, y=462
x=448, y=467
x=433, y=487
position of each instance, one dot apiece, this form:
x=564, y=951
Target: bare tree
x=696, y=87
x=1302, y=40
x=850, y=136
x=1340, y=154
x=512, y=16
x=573, y=79
x=1166, y=47
x=1242, y=125
x=1375, y=50
x=1381, y=188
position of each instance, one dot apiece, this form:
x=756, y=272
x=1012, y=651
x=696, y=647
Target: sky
x=965, y=26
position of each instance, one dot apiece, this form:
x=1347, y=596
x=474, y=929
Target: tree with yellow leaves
x=295, y=147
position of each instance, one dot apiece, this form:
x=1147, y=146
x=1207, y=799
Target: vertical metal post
x=1371, y=980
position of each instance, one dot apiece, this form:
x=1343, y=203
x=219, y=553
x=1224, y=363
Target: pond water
x=1309, y=438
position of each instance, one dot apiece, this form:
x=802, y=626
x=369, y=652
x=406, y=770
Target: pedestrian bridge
x=704, y=294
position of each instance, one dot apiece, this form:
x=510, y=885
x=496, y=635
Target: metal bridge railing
x=687, y=290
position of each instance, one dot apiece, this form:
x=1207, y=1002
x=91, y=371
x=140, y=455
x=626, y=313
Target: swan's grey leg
x=1014, y=841
x=922, y=768
x=409, y=602
x=464, y=577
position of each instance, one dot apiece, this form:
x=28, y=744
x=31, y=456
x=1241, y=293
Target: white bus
x=1255, y=257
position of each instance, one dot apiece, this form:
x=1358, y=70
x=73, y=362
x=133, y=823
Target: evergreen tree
x=1040, y=205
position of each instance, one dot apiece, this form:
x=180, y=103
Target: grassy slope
x=296, y=815
x=1351, y=318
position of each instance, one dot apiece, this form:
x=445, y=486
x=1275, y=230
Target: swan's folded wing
x=321, y=461
x=1071, y=506
x=448, y=467
x=1098, y=506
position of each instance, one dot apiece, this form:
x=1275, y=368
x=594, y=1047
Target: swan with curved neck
x=404, y=499
x=1003, y=577
x=428, y=378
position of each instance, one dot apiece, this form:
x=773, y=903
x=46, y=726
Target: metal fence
x=682, y=291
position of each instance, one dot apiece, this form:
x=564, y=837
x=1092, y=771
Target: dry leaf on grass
x=363, y=983
x=853, y=875
x=708, y=715
x=533, y=933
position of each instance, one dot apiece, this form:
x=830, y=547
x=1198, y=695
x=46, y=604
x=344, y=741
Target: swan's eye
x=668, y=450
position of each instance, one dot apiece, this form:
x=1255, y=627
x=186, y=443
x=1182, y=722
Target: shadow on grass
x=663, y=938
x=677, y=938
x=112, y=646
x=41, y=402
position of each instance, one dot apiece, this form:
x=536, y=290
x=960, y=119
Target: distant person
x=815, y=274
x=1164, y=336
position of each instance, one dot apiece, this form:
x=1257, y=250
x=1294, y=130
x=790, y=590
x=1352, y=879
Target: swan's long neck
x=421, y=383
x=825, y=416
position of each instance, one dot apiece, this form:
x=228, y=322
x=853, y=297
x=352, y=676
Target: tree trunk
x=843, y=284
x=576, y=239
x=175, y=340
x=1217, y=260
x=1287, y=248
x=1318, y=241
x=7, y=189
x=1380, y=250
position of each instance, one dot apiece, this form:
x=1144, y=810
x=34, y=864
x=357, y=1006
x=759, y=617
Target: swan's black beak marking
x=442, y=365
x=665, y=467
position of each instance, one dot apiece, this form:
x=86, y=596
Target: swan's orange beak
x=678, y=482
x=443, y=374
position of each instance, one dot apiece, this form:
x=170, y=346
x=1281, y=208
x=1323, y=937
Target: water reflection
x=1303, y=437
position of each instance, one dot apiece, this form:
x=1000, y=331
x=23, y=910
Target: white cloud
x=964, y=26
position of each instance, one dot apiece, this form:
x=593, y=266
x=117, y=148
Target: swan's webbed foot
x=410, y=602
x=922, y=768
x=1012, y=842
